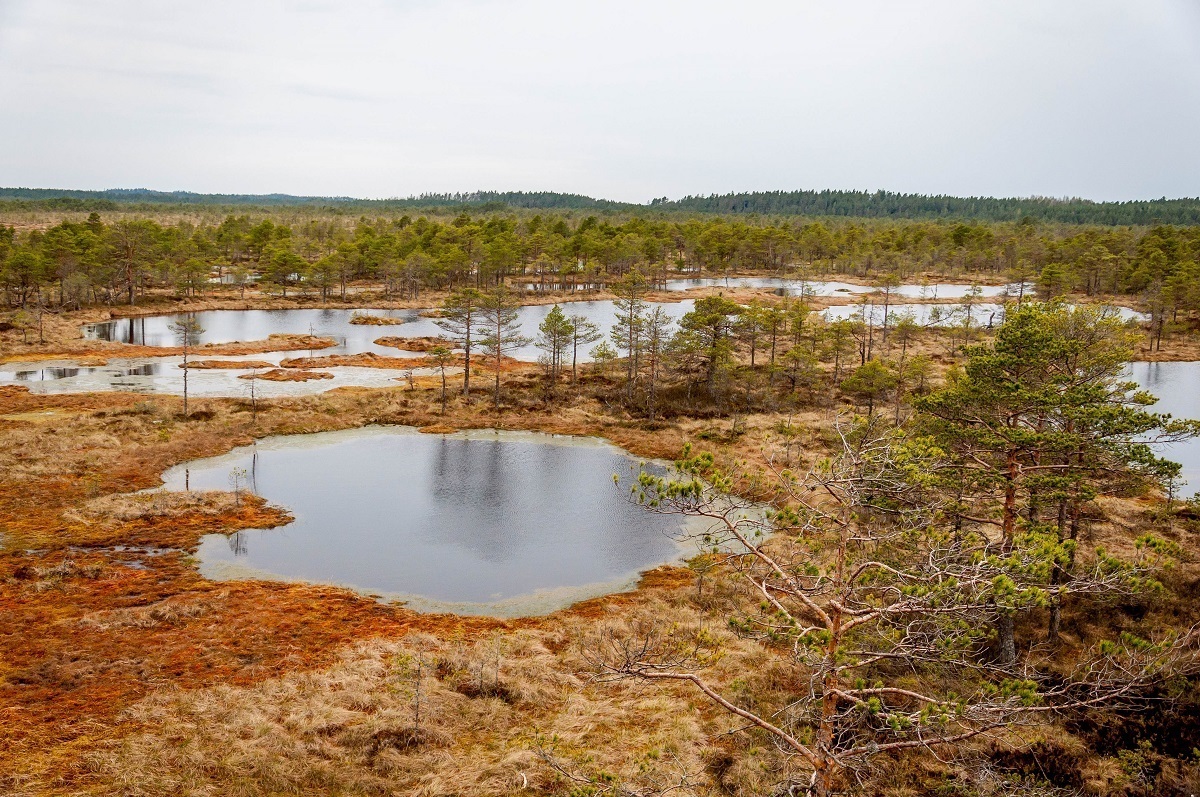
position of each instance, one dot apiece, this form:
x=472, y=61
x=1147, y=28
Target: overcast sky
x=623, y=100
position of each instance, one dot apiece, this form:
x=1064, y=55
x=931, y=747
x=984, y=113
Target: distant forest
x=884, y=204
x=815, y=204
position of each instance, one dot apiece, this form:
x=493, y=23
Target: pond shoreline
x=560, y=569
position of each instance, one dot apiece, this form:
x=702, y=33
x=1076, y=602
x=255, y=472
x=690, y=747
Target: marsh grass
x=128, y=507
x=151, y=680
x=351, y=728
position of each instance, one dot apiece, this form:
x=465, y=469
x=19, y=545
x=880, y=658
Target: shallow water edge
x=463, y=558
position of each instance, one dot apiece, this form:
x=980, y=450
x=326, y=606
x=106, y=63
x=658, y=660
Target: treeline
x=811, y=204
x=886, y=204
x=499, y=200
x=113, y=198
x=100, y=260
x=144, y=199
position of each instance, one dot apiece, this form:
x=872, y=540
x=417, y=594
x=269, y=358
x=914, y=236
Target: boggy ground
x=122, y=671
x=60, y=336
x=101, y=606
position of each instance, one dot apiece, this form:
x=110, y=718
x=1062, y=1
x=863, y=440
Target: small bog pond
x=481, y=522
x=232, y=326
x=163, y=374
x=986, y=314
x=1177, y=386
x=795, y=287
x=228, y=326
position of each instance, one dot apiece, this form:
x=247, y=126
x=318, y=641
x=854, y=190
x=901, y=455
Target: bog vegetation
x=96, y=260
x=942, y=560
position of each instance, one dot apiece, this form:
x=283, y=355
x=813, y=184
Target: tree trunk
x=1056, y=578
x=467, y=361
x=185, y=381
x=498, y=355
x=1006, y=645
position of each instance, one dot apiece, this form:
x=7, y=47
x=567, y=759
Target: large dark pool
x=479, y=522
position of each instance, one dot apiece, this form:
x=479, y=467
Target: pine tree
x=460, y=319
x=874, y=606
x=500, y=329
x=555, y=335
x=586, y=332
x=188, y=331
x=1034, y=421
x=627, y=332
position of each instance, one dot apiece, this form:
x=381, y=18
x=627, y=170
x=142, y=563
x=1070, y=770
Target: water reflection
x=1177, y=386
x=484, y=522
x=228, y=326
x=793, y=286
x=797, y=287
x=926, y=315
x=986, y=314
x=163, y=375
x=48, y=373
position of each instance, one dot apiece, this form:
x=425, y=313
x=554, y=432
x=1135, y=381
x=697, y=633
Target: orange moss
x=372, y=360
x=181, y=531
x=413, y=344
x=437, y=428
x=229, y=364
x=118, y=607
x=97, y=349
x=364, y=360
x=56, y=685
x=285, y=375
x=367, y=319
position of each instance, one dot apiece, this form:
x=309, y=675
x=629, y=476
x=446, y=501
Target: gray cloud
x=627, y=100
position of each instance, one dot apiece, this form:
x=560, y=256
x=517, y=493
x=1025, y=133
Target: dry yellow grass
x=126, y=507
x=420, y=715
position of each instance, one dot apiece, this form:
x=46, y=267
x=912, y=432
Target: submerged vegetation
x=974, y=576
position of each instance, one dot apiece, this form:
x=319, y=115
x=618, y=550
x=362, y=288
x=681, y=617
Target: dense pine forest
x=849, y=204
x=72, y=259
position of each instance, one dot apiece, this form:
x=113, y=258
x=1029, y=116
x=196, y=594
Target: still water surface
x=163, y=375
x=794, y=287
x=986, y=314
x=227, y=326
x=480, y=522
x=1177, y=386
x=230, y=326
